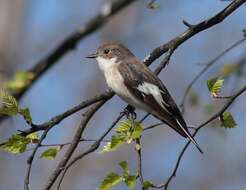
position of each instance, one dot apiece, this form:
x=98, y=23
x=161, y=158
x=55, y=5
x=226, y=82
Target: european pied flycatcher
x=136, y=84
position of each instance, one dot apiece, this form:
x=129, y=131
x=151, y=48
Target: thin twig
x=93, y=148
x=108, y=10
x=57, y=119
x=207, y=66
x=190, y=32
x=140, y=168
x=61, y=145
x=31, y=158
x=215, y=116
x=86, y=118
x=156, y=53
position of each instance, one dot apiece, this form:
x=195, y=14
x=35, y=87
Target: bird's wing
x=144, y=85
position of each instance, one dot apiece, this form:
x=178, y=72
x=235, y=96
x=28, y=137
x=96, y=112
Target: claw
x=129, y=112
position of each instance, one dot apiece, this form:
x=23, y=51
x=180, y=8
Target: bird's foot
x=129, y=112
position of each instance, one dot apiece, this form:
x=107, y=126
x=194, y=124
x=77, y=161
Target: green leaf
x=227, y=120
x=193, y=98
x=20, y=80
x=229, y=69
x=137, y=131
x=125, y=133
x=115, y=142
x=131, y=133
x=123, y=126
x=50, y=153
x=26, y=114
x=215, y=85
x=8, y=104
x=124, y=166
x=32, y=136
x=110, y=180
x=130, y=181
x=147, y=185
x=153, y=5
x=16, y=144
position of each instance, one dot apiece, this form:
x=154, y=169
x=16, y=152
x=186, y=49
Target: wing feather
x=145, y=86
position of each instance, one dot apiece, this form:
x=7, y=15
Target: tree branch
x=215, y=116
x=93, y=147
x=109, y=9
x=30, y=159
x=70, y=43
x=86, y=118
x=57, y=119
x=191, y=31
x=140, y=168
x=207, y=66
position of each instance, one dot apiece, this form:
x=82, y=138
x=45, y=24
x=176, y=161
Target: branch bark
x=86, y=118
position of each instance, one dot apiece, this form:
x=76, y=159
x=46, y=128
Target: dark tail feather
x=180, y=127
x=189, y=136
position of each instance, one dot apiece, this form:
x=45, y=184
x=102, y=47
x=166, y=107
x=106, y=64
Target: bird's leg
x=131, y=115
x=132, y=120
x=129, y=112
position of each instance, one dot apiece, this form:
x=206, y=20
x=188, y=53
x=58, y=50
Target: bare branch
x=61, y=145
x=57, y=119
x=170, y=46
x=191, y=31
x=86, y=118
x=215, y=116
x=140, y=169
x=107, y=11
x=30, y=159
x=93, y=147
x=72, y=41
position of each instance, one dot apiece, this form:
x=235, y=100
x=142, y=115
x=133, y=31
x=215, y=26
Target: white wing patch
x=154, y=90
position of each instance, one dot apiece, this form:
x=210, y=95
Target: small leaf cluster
x=9, y=106
x=17, y=144
x=20, y=80
x=227, y=120
x=231, y=68
x=153, y=5
x=50, y=153
x=126, y=132
x=214, y=85
x=112, y=179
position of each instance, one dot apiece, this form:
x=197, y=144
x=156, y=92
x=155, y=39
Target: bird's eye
x=106, y=51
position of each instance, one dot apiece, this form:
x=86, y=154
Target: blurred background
x=29, y=30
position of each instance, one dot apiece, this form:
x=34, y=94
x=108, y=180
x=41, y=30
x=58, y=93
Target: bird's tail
x=189, y=136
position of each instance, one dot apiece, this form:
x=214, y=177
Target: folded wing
x=148, y=88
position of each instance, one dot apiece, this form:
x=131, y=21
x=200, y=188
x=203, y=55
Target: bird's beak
x=92, y=56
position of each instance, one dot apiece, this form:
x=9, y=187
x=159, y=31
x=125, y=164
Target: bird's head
x=110, y=54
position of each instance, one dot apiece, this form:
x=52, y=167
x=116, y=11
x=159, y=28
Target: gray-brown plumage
x=135, y=83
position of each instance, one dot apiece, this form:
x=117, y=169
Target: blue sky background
x=44, y=24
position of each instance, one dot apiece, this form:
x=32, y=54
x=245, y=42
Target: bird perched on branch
x=136, y=84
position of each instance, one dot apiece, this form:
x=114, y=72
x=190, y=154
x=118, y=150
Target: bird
x=137, y=85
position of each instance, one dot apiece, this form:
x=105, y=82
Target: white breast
x=116, y=82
